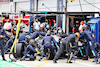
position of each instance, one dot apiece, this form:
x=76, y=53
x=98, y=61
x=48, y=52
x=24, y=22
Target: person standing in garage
x=8, y=26
x=76, y=27
x=36, y=25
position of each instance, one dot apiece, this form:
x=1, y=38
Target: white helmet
x=59, y=31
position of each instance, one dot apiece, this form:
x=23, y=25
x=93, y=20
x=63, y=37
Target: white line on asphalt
x=84, y=63
x=20, y=64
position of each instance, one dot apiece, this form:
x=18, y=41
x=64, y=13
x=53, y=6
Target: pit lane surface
x=47, y=63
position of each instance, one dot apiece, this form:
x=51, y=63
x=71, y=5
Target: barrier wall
x=95, y=28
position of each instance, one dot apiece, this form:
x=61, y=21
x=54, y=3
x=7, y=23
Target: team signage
x=4, y=1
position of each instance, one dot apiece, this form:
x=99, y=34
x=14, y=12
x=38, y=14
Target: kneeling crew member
x=47, y=43
x=30, y=49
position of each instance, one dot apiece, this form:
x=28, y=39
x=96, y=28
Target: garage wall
x=72, y=6
x=20, y=0
x=51, y=4
x=22, y=6
x=75, y=6
x=4, y=7
x=97, y=3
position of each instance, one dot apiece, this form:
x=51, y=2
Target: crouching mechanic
x=22, y=37
x=47, y=43
x=2, y=36
x=36, y=34
x=69, y=45
x=9, y=43
x=61, y=34
x=26, y=40
x=30, y=49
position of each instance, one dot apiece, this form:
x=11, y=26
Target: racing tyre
x=19, y=50
x=49, y=55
